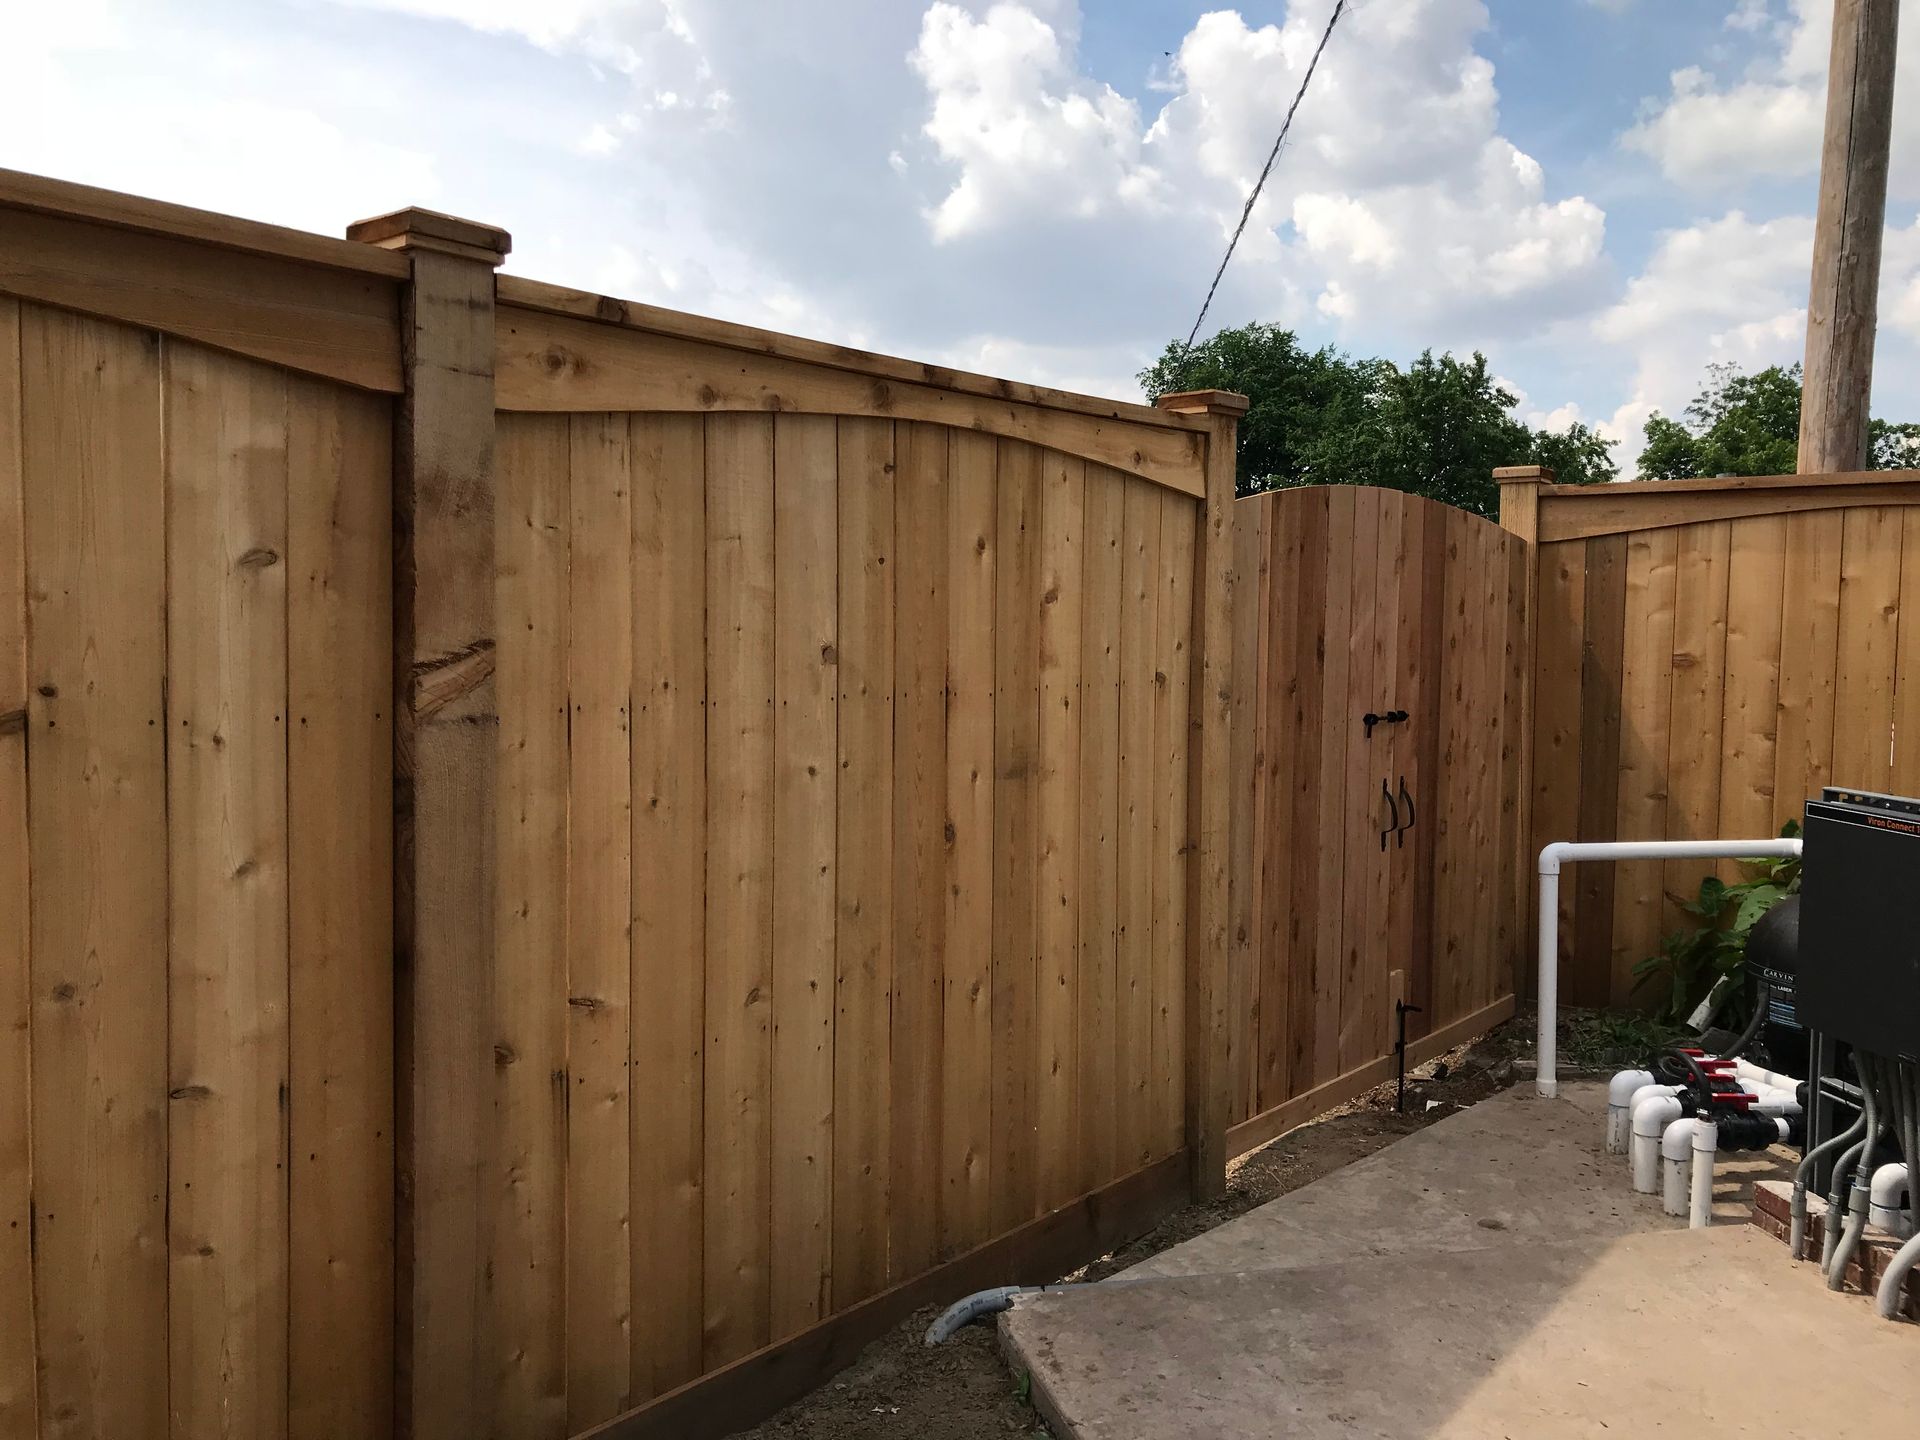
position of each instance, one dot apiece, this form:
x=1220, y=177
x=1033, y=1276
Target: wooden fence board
x=528, y=1179
x=920, y=648
x=1285, y=735
x=1247, y=761
x=967, y=1022
x=1138, y=627
x=1365, y=808
x=94, y=505
x=18, y=1402
x=226, y=479
x=599, y=1268
x=1171, y=729
x=739, y=925
x=806, y=569
x=1016, y=790
x=1646, y=709
x=340, y=867
x=1336, y=718
x=1869, y=626
x=864, y=936
x=1559, y=669
x=1602, y=659
x=1101, y=1080
x=1310, y=549
x=1809, y=652
x=1063, y=486
x=668, y=953
x=1699, y=684
x=1750, y=709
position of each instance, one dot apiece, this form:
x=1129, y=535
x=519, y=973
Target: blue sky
x=1604, y=195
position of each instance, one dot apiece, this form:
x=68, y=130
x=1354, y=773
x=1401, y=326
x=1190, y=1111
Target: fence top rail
x=1618, y=488
x=514, y=290
x=38, y=194
x=1586, y=512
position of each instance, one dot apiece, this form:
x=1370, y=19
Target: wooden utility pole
x=1842, y=310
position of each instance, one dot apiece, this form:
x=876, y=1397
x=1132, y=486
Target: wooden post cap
x=417, y=229
x=1524, y=475
x=1204, y=402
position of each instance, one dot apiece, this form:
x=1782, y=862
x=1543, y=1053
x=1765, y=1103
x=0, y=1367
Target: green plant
x=1695, y=962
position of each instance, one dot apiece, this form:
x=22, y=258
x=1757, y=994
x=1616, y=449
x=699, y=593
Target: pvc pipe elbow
x=1652, y=1113
x=1888, y=1206
x=1676, y=1148
x=1676, y=1141
x=1646, y=1093
x=1619, y=1116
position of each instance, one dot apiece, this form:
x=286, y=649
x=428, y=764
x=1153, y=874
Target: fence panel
x=909, y=705
x=1710, y=653
x=582, y=920
x=197, y=950
x=1371, y=862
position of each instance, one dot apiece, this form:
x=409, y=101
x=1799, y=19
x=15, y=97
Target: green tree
x=1742, y=424
x=1437, y=428
x=1296, y=394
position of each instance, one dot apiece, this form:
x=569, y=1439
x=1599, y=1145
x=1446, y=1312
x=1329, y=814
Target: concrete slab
x=1541, y=1342
x=1491, y=1275
x=1514, y=1170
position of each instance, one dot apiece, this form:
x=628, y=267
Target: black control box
x=1859, y=953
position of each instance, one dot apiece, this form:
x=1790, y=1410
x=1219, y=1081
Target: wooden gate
x=1379, y=665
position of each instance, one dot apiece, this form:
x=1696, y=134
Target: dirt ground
x=963, y=1390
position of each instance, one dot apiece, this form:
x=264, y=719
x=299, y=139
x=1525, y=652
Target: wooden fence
x=1379, y=655
x=1710, y=653
x=557, y=849
x=196, y=1138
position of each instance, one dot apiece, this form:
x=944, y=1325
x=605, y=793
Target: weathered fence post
x=1208, y=779
x=445, y=727
x=1520, y=515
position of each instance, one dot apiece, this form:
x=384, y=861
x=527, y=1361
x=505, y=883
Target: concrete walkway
x=1492, y=1275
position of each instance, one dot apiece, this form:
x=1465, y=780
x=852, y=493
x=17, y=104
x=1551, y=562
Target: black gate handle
x=1412, y=814
x=1392, y=806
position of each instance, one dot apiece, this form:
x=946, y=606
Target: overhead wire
x=1279, y=142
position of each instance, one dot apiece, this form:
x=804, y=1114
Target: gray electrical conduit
x=1886, y=1302
x=1859, y=1159
x=1797, y=1241
x=982, y=1303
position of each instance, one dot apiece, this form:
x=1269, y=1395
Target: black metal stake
x=1400, y=1009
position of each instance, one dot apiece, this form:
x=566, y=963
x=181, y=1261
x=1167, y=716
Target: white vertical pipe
x=1560, y=852
x=1706, y=1140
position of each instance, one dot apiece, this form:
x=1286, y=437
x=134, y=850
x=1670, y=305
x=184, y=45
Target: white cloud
x=1766, y=122
x=1381, y=204
x=1024, y=129
x=1726, y=290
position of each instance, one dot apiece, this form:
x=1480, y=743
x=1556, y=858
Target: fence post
x=445, y=727
x=1208, y=780
x=1520, y=515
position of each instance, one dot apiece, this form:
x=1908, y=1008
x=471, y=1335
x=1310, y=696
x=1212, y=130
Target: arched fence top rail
x=1582, y=512
x=560, y=351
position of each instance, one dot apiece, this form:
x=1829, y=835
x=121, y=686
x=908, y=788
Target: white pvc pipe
x=1619, y=1114
x=1706, y=1140
x=1564, y=852
x=1676, y=1146
x=1747, y=1070
x=1650, y=1120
